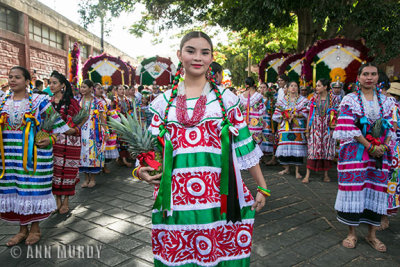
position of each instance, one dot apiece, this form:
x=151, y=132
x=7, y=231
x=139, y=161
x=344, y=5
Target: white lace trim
x=291, y=151
x=197, y=149
x=197, y=227
x=250, y=160
x=27, y=205
x=243, y=142
x=358, y=201
x=344, y=135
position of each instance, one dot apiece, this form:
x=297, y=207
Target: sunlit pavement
x=109, y=225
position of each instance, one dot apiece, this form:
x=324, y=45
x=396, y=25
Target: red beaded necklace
x=198, y=112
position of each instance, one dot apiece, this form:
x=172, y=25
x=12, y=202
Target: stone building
x=36, y=37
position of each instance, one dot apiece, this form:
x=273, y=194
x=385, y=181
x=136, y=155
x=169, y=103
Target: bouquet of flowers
x=288, y=121
x=141, y=144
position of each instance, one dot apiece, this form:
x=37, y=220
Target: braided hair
x=67, y=95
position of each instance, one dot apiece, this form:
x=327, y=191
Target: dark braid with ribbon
x=228, y=186
x=163, y=200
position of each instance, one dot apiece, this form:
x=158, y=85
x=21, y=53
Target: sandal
x=327, y=180
x=376, y=244
x=305, y=181
x=85, y=184
x=349, y=242
x=18, y=238
x=33, y=238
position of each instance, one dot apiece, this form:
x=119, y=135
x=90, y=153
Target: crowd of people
x=203, y=213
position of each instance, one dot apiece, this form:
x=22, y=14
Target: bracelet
x=264, y=191
x=133, y=173
x=53, y=139
x=373, y=149
x=369, y=148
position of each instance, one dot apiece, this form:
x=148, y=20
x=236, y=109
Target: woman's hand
x=43, y=143
x=144, y=175
x=259, y=202
x=71, y=131
x=378, y=152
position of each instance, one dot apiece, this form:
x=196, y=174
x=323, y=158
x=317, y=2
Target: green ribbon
x=163, y=200
x=224, y=159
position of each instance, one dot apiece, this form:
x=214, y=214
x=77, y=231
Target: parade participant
x=364, y=130
x=282, y=86
x=337, y=90
x=3, y=87
x=217, y=69
x=291, y=113
x=394, y=173
x=252, y=106
x=196, y=121
x=94, y=134
x=123, y=105
x=110, y=148
x=304, y=91
x=320, y=124
x=267, y=145
x=27, y=168
x=67, y=149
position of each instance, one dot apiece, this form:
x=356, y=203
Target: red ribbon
x=149, y=158
x=70, y=123
x=374, y=141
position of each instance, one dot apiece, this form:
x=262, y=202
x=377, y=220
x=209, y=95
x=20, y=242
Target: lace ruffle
x=345, y=135
x=27, y=205
x=358, y=201
x=251, y=159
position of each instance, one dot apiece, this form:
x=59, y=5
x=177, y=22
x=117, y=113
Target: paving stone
x=144, y=235
x=136, y=263
x=104, y=220
x=126, y=244
x=140, y=220
x=81, y=226
x=111, y=257
x=144, y=253
x=119, y=213
x=124, y=227
x=104, y=235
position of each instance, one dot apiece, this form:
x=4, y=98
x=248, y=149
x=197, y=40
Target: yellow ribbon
x=26, y=143
x=3, y=160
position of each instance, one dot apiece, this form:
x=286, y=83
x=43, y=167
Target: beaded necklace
x=290, y=103
x=199, y=108
x=359, y=92
x=30, y=110
x=323, y=107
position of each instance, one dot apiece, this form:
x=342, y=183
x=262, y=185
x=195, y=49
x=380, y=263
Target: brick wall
x=44, y=62
x=11, y=54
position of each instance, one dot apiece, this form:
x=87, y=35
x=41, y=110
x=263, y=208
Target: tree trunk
x=102, y=34
x=305, y=34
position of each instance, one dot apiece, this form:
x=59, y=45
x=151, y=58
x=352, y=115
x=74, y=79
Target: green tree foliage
x=377, y=22
x=103, y=10
x=234, y=55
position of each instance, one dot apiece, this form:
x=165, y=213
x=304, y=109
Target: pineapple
x=82, y=115
x=139, y=140
x=46, y=126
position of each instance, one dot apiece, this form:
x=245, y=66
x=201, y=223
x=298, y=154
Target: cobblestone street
x=297, y=227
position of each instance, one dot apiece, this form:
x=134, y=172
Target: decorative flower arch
x=157, y=69
x=106, y=70
x=292, y=66
x=270, y=65
x=335, y=59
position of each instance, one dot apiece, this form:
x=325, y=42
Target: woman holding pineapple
x=27, y=164
x=94, y=134
x=67, y=149
x=202, y=206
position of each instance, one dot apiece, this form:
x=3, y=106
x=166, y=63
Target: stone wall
x=11, y=54
x=44, y=62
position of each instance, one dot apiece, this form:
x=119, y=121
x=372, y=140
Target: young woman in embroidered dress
x=122, y=105
x=252, y=105
x=364, y=159
x=67, y=149
x=27, y=168
x=94, y=134
x=203, y=214
x=320, y=124
x=268, y=143
x=291, y=113
x=110, y=149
